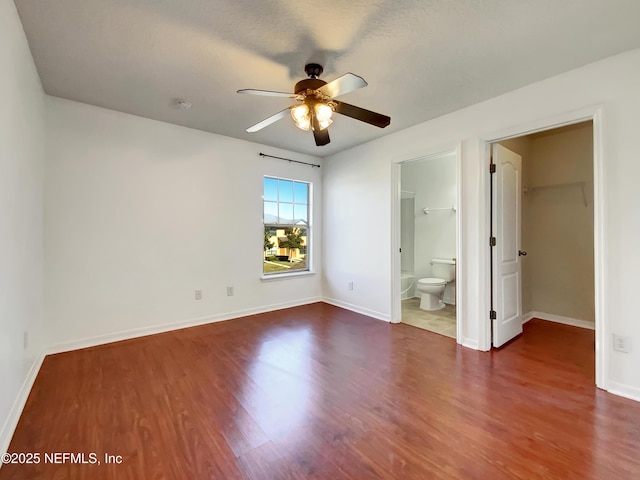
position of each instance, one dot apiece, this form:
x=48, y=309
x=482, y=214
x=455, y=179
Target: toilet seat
x=432, y=281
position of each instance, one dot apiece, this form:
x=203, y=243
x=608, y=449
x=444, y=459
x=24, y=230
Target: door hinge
x=492, y=168
x=492, y=241
x=492, y=314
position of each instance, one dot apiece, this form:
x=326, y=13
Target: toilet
x=432, y=288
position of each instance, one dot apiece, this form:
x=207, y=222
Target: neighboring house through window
x=286, y=226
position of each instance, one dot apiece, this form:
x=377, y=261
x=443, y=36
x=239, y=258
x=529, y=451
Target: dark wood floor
x=319, y=392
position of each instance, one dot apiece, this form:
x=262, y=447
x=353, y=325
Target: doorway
x=426, y=230
x=543, y=240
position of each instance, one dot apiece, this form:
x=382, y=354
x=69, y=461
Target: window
x=286, y=226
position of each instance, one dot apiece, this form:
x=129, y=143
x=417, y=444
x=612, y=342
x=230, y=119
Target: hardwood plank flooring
x=317, y=392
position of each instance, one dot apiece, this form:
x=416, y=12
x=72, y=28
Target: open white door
x=507, y=283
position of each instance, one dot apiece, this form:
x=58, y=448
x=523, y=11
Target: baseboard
x=358, y=309
x=626, y=391
x=167, y=327
x=550, y=317
x=6, y=434
x=469, y=343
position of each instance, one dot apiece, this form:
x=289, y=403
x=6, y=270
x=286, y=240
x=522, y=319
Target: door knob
x=521, y=253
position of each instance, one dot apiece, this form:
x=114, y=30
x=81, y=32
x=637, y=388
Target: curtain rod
x=289, y=160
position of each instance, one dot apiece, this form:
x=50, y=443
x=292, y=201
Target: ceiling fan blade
x=268, y=121
x=267, y=93
x=344, y=84
x=361, y=114
x=321, y=136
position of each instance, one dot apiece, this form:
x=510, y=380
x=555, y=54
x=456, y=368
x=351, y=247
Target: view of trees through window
x=286, y=225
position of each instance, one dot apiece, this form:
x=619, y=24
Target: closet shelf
x=582, y=186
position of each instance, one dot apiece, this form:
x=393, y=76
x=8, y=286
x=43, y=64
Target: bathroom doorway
x=543, y=264
x=428, y=231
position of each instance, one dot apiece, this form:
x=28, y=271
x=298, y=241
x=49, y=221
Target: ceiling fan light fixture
x=323, y=113
x=325, y=123
x=301, y=116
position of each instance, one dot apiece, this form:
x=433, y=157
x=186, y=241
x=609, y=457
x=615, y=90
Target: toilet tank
x=444, y=268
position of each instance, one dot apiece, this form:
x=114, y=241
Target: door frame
x=396, y=165
x=593, y=114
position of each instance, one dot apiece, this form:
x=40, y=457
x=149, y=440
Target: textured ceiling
x=421, y=58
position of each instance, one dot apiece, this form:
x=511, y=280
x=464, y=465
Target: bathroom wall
x=434, y=182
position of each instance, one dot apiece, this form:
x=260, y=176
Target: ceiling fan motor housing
x=308, y=84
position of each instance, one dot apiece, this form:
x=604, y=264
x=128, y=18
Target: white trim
x=167, y=327
x=460, y=258
x=468, y=342
x=9, y=427
x=626, y=391
x=550, y=317
x=357, y=309
x=549, y=123
x=484, y=252
x=599, y=249
x=396, y=266
x=592, y=113
x=284, y=276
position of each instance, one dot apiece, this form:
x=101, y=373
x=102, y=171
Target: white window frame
x=308, y=226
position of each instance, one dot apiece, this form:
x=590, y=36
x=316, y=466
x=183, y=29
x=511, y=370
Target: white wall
x=434, y=181
x=358, y=185
x=358, y=208
x=21, y=250
x=140, y=214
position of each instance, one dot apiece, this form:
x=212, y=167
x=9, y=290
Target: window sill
x=285, y=276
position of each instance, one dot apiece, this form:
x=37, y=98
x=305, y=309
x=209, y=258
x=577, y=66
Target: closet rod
x=290, y=160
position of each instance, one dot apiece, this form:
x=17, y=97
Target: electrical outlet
x=25, y=339
x=229, y=291
x=350, y=285
x=198, y=294
x=621, y=344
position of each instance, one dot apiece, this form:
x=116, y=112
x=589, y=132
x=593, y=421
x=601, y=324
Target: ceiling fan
x=316, y=104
